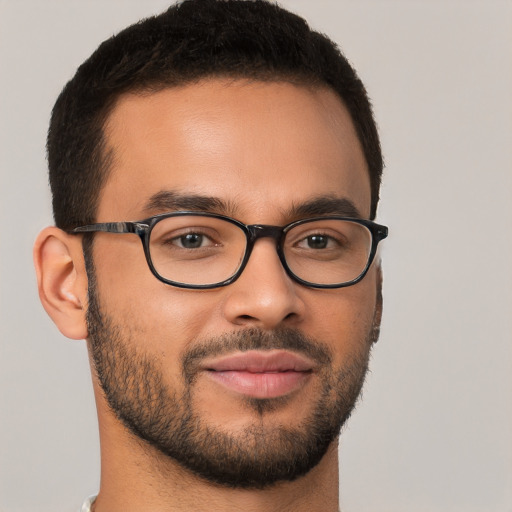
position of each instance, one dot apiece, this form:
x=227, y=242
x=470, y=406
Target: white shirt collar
x=86, y=507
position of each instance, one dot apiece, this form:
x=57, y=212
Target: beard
x=258, y=456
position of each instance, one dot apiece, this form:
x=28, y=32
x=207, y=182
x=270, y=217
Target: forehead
x=259, y=147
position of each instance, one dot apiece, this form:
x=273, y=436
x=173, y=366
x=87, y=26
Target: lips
x=260, y=374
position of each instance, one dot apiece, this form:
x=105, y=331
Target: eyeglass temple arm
x=113, y=227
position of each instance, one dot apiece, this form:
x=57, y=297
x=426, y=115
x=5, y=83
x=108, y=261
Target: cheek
x=183, y=314
x=344, y=318
x=165, y=319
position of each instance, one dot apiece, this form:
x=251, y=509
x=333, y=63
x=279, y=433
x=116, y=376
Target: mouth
x=260, y=374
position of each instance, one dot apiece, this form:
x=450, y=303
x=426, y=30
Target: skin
x=262, y=148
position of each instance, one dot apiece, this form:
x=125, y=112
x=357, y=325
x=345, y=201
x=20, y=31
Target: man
x=215, y=174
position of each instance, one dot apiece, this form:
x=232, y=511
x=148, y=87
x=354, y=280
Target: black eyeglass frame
x=253, y=232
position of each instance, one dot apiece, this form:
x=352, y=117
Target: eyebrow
x=169, y=200
x=325, y=205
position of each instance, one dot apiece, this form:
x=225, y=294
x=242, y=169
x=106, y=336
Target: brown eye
x=191, y=241
x=317, y=241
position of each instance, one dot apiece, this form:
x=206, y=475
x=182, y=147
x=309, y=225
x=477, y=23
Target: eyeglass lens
x=197, y=250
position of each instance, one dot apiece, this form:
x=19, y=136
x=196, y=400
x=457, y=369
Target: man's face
x=247, y=384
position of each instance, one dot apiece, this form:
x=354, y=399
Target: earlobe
x=62, y=281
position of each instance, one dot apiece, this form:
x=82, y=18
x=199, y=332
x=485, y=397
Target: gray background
x=434, y=430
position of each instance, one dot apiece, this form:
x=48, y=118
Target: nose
x=264, y=296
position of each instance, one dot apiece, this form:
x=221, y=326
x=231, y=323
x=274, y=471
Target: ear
x=62, y=280
x=377, y=317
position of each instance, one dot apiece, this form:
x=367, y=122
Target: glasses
x=206, y=250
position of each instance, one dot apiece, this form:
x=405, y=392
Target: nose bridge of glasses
x=257, y=231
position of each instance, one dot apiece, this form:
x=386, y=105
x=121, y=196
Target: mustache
x=254, y=339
